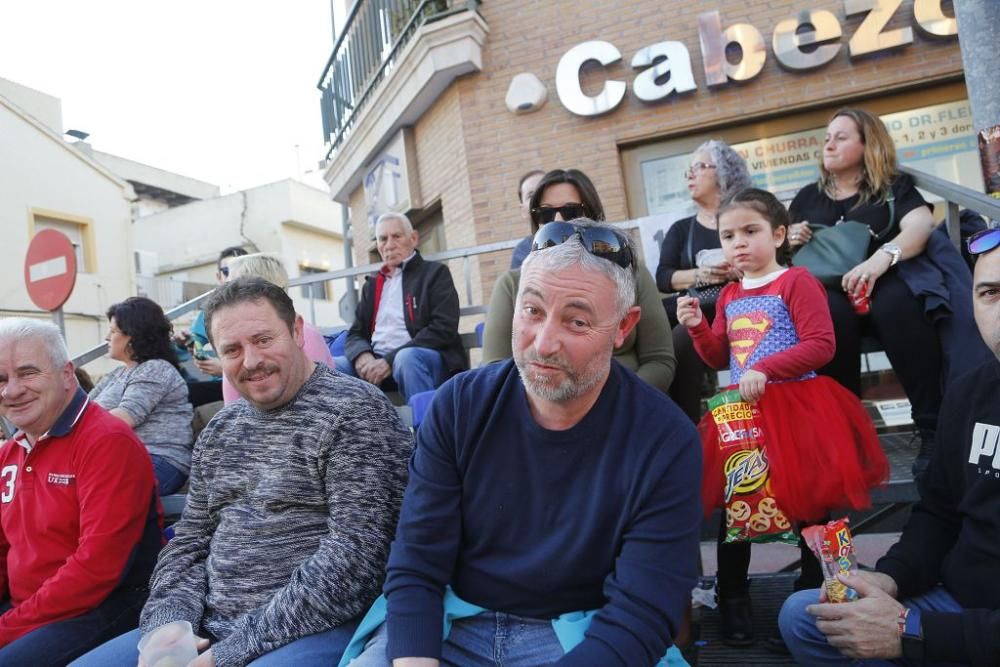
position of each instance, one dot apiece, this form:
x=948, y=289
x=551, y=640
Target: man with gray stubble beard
x=550, y=515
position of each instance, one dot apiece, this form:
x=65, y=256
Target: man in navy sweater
x=552, y=510
x=935, y=596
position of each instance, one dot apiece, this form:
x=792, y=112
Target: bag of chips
x=752, y=512
x=834, y=548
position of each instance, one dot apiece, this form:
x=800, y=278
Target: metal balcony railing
x=953, y=195
x=367, y=47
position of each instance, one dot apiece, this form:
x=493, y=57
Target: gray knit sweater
x=288, y=520
x=156, y=398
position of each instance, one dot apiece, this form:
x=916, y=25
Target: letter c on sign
x=568, y=79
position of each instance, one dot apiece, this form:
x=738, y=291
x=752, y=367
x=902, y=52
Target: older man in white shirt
x=405, y=330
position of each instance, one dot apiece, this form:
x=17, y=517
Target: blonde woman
x=270, y=268
x=858, y=177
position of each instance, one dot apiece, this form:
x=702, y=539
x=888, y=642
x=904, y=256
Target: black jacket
x=951, y=536
x=430, y=308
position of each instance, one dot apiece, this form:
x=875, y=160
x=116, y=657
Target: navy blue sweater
x=538, y=523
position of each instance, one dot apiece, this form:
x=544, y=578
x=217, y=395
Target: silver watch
x=894, y=250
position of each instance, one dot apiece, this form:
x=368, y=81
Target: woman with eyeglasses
x=716, y=172
x=564, y=195
x=859, y=181
x=148, y=392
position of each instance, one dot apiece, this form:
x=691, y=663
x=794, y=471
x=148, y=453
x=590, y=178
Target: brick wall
x=531, y=36
x=471, y=150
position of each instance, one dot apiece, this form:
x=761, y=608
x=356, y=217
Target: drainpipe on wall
x=978, y=36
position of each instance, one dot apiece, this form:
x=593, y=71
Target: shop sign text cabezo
x=665, y=67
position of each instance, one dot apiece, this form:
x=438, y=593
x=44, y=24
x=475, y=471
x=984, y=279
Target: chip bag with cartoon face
x=752, y=513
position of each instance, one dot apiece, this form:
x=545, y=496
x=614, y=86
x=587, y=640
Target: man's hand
x=209, y=366
x=379, y=371
x=752, y=385
x=362, y=364
x=866, y=628
x=201, y=644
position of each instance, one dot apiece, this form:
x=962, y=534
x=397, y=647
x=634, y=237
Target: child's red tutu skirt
x=821, y=445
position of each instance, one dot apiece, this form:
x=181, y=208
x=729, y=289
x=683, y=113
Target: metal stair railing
x=954, y=195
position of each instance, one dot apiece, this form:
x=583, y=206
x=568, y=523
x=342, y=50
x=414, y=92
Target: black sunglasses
x=546, y=214
x=600, y=241
x=983, y=241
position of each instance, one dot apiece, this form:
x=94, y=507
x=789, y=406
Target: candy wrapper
x=834, y=548
x=752, y=512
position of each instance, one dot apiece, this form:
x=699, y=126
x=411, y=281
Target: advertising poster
x=937, y=139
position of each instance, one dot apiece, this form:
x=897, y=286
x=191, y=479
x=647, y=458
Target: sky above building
x=219, y=90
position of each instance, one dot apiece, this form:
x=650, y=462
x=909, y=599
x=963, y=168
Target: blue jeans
x=57, y=643
x=320, y=649
x=168, y=478
x=414, y=369
x=489, y=638
x=808, y=644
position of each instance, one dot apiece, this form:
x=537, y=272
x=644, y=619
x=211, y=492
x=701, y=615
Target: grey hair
x=731, y=173
x=572, y=253
x=261, y=265
x=24, y=328
x=392, y=215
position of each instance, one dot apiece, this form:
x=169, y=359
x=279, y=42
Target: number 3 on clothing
x=8, y=474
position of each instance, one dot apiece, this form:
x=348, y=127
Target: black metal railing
x=953, y=195
x=367, y=47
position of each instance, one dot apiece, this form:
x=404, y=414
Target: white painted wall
x=38, y=170
x=42, y=107
x=296, y=222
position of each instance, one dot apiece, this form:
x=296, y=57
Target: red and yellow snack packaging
x=834, y=548
x=752, y=512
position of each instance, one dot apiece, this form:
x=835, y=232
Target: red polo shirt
x=78, y=511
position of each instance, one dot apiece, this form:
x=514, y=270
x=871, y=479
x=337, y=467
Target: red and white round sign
x=50, y=269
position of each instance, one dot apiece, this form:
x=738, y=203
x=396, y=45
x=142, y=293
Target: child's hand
x=752, y=386
x=688, y=311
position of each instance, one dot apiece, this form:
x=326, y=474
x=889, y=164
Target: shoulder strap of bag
x=891, y=201
x=690, y=243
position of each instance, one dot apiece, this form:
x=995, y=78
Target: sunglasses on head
x=983, y=241
x=546, y=214
x=600, y=241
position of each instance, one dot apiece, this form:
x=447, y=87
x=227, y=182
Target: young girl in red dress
x=773, y=330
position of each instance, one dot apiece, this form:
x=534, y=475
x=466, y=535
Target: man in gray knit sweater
x=293, y=501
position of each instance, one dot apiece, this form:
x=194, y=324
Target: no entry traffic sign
x=50, y=269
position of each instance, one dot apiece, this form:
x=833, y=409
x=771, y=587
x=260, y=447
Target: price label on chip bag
x=752, y=512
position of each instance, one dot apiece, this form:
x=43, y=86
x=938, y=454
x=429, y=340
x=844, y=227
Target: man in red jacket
x=80, y=519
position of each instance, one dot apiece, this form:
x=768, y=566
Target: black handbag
x=833, y=251
x=707, y=295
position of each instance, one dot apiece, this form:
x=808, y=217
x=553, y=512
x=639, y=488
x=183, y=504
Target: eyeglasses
x=224, y=270
x=983, y=241
x=697, y=168
x=546, y=214
x=600, y=241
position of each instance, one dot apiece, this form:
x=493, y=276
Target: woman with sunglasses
x=716, y=172
x=859, y=180
x=563, y=195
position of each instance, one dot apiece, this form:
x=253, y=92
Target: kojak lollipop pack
x=834, y=548
x=752, y=512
